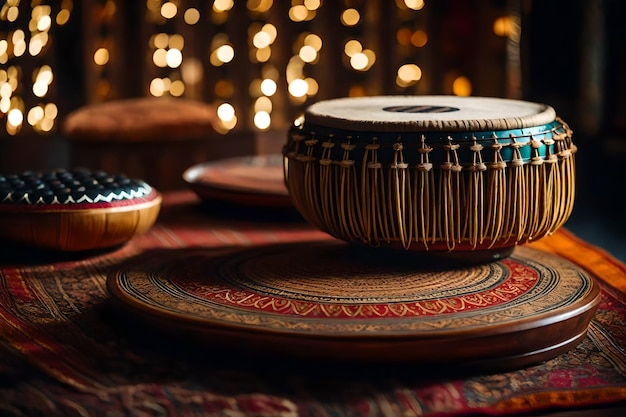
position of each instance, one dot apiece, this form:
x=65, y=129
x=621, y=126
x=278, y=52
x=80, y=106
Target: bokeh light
x=15, y=117
x=261, y=39
x=191, y=16
x=313, y=86
x=462, y=86
x=352, y=47
x=299, y=13
x=419, y=38
x=414, y=4
x=298, y=88
x=225, y=53
x=408, y=74
x=223, y=5
x=159, y=57
x=157, y=87
x=503, y=26
x=312, y=4
x=13, y=13
x=225, y=112
x=169, y=10
x=307, y=53
x=101, y=56
x=174, y=58
x=359, y=61
x=363, y=61
x=259, y=6
x=268, y=87
x=263, y=104
x=350, y=17
x=63, y=17
x=262, y=120
x=314, y=41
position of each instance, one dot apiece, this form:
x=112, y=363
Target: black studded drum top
x=71, y=188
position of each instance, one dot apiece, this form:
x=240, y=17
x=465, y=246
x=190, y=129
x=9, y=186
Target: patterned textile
x=67, y=350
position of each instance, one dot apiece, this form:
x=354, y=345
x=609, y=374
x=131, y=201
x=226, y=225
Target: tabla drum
x=444, y=174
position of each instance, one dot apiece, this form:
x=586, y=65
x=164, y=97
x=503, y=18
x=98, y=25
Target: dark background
x=572, y=56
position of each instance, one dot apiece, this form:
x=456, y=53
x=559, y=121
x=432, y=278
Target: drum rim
x=319, y=114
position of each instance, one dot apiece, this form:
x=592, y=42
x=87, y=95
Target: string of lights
x=257, y=61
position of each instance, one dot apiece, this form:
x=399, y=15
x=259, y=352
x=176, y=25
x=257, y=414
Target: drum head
x=428, y=113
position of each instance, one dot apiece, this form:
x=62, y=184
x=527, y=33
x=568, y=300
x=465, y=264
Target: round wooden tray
x=248, y=180
x=332, y=300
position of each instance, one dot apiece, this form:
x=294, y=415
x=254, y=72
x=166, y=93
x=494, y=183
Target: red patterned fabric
x=65, y=349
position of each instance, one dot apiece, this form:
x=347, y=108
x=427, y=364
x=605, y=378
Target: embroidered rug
x=67, y=349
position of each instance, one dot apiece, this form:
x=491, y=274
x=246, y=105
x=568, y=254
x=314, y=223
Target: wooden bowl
x=78, y=221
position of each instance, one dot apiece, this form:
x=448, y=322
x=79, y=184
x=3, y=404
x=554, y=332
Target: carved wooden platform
x=333, y=300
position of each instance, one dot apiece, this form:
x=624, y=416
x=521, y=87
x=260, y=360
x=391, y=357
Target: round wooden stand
x=255, y=181
x=334, y=301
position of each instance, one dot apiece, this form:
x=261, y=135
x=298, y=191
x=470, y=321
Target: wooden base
x=327, y=300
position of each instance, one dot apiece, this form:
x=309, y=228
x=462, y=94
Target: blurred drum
x=432, y=173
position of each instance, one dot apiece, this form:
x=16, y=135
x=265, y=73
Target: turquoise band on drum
x=544, y=136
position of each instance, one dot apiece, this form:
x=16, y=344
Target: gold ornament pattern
x=329, y=288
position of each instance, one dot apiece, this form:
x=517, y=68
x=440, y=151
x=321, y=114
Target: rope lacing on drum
x=536, y=183
x=350, y=218
x=450, y=186
x=310, y=178
x=566, y=172
x=400, y=194
x=373, y=195
x=328, y=186
x=496, y=197
x=424, y=209
x=516, y=193
x=474, y=213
